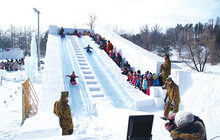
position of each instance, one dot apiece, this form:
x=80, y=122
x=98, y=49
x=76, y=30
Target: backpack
x=57, y=108
x=111, y=47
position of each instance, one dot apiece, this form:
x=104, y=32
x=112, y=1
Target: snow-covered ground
x=100, y=110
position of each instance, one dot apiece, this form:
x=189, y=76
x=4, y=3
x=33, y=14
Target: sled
x=73, y=83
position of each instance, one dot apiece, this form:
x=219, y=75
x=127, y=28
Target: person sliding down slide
x=73, y=78
x=88, y=49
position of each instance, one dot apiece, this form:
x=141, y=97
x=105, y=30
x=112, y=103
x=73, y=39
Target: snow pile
x=138, y=57
x=13, y=53
x=52, y=83
x=200, y=95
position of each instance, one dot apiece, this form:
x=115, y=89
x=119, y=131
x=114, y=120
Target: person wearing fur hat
x=62, y=110
x=174, y=97
x=185, y=126
x=166, y=68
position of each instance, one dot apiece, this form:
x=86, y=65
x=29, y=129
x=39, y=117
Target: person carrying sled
x=62, y=110
x=185, y=126
x=88, y=49
x=72, y=78
x=174, y=97
x=166, y=68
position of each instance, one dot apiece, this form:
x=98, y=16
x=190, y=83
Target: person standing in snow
x=166, y=68
x=185, y=126
x=174, y=97
x=62, y=110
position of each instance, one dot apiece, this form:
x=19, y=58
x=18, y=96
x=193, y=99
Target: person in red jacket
x=72, y=78
x=109, y=46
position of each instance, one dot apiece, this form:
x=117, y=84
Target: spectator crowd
x=12, y=65
x=135, y=78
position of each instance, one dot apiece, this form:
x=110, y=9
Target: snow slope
x=99, y=116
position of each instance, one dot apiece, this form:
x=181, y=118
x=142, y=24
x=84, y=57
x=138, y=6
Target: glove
x=165, y=100
x=71, y=131
x=168, y=126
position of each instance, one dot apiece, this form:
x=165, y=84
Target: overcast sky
x=126, y=14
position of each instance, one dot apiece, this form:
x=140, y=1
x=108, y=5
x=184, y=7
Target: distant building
x=11, y=53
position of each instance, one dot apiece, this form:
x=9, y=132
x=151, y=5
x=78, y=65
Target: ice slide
x=113, y=89
x=95, y=80
x=99, y=80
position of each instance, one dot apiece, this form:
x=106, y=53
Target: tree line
x=20, y=37
x=196, y=44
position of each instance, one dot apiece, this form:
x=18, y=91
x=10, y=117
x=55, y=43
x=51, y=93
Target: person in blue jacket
x=156, y=80
x=138, y=81
x=88, y=49
x=145, y=84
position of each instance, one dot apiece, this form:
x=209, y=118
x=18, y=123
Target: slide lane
x=107, y=81
x=76, y=100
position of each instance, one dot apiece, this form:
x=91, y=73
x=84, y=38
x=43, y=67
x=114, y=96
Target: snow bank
x=138, y=99
x=2, y=74
x=138, y=57
x=52, y=78
x=15, y=53
x=200, y=95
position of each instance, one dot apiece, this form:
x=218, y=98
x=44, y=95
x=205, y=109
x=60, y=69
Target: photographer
x=185, y=126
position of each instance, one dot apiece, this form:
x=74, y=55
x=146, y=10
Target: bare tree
x=145, y=37
x=91, y=22
x=119, y=30
x=198, y=49
x=155, y=36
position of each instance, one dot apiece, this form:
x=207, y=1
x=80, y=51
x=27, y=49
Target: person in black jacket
x=118, y=59
x=62, y=32
x=185, y=126
x=88, y=49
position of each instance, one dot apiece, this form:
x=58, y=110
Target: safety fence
x=29, y=100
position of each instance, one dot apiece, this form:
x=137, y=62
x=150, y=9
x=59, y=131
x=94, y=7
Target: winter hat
x=64, y=94
x=183, y=117
x=166, y=54
x=155, y=76
x=149, y=76
x=169, y=79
